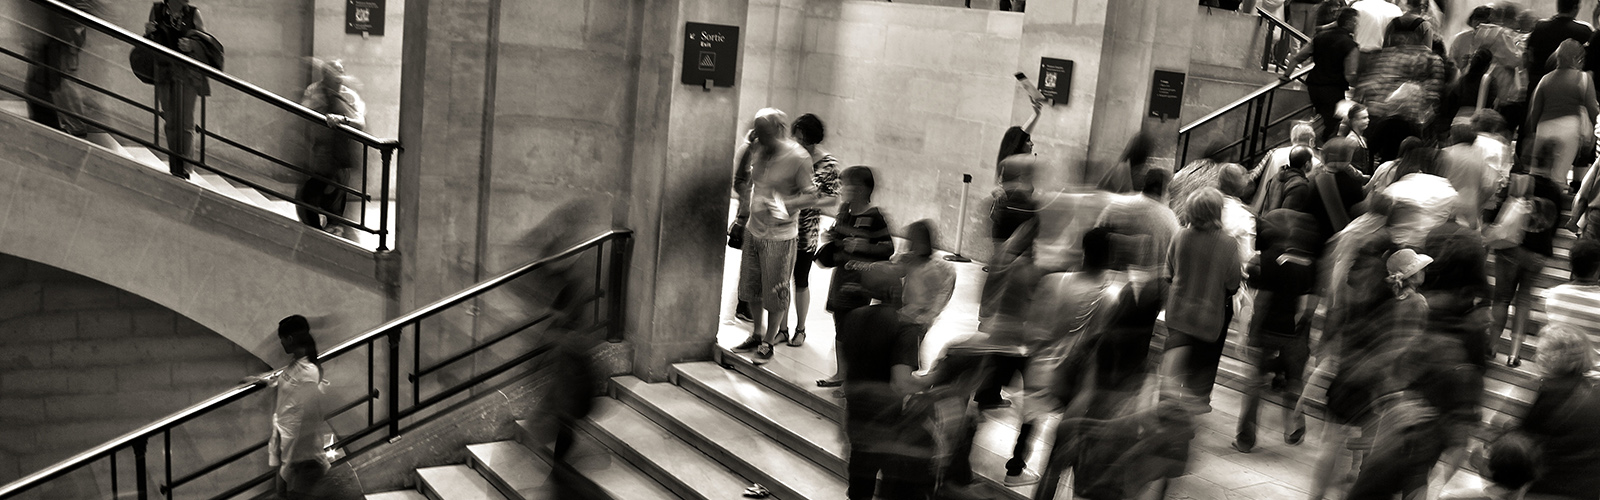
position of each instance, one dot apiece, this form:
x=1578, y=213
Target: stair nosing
x=743, y=412
x=641, y=461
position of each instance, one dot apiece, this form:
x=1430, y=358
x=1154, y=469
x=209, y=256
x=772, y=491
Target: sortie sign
x=363, y=17
x=709, y=54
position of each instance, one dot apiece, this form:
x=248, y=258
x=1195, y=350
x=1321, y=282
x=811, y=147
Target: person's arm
x=1352, y=65
x=1032, y=120
x=1535, y=108
x=1589, y=100
x=1295, y=60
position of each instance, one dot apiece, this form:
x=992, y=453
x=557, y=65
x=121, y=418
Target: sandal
x=757, y=491
x=798, y=338
x=783, y=336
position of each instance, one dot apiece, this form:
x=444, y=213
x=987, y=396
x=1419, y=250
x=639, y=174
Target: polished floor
x=1272, y=471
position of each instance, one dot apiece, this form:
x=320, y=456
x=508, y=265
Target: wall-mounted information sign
x=1166, y=94
x=709, y=54
x=1055, y=79
x=363, y=17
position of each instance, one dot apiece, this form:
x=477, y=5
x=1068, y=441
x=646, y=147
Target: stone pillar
x=587, y=127
x=1071, y=30
x=1140, y=38
x=1116, y=46
x=682, y=166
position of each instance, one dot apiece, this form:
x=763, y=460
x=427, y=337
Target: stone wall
x=920, y=93
x=82, y=362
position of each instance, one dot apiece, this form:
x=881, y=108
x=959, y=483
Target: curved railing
x=390, y=409
x=1258, y=111
x=206, y=138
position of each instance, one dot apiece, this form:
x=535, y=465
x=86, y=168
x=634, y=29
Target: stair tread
x=513, y=464
x=14, y=106
x=612, y=473
x=765, y=403
x=145, y=157
x=457, y=482
x=699, y=474
x=996, y=434
x=710, y=426
x=397, y=495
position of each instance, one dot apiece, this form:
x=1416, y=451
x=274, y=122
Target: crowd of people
x=1358, y=258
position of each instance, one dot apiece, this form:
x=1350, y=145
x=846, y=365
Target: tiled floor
x=1273, y=471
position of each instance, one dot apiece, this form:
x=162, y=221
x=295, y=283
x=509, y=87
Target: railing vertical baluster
x=394, y=381
x=383, y=202
x=113, y=458
x=621, y=254
x=139, y=479
x=416, y=359
x=202, y=129
x=155, y=117
x=599, y=260
x=366, y=155
x=369, y=383
x=166, y=453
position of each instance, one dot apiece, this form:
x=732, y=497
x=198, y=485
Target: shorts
x=765, y=270
x=802, y=269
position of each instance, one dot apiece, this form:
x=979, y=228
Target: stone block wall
x=921, y=93
x=82, y=362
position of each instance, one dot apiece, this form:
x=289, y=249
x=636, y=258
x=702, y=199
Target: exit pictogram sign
x=709, y=52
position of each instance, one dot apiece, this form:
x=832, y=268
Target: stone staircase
x=210, y=181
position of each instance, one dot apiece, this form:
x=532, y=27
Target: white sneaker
x=1023, y=479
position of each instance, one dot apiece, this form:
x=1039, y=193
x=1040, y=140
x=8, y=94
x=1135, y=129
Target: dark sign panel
x=363, y=17
x=1166, y=94
x=709, y=54
x=1055, y=79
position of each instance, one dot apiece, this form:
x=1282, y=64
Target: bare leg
x=802, y=304
x=1333, y=440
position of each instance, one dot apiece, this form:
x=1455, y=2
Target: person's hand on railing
x=334, y=121
x=149, y=28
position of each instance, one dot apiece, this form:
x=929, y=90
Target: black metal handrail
x=386, y=148
x=1258, y=106
x=613, y=250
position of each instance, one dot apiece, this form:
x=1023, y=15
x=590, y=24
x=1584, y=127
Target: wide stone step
x=797, y=427
x=618, y=478
x=992, y=446
x=455, y=482
x=397, y=495
x=512, y=468
x=662, y=455
x=742, y=448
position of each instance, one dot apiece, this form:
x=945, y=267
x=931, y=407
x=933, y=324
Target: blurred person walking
x=1147, y=217
x=177, y=24
x=1518, y=266
x=1561, y=115
x=299, y=431
x=881, y=355
x=1576, y=304
x=333, y=156
x=1337, y=57
x=1205, y=273
x=1565, y=417
x=859, y=236
x=1264, y=177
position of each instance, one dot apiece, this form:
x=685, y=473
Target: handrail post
x=139, y=479
x=621, y=259
x=394, y=381
x=383, y=201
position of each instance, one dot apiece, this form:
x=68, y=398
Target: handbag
x=143, y=62
x=1586, y=139
x=736, y=235
x=1508, y=229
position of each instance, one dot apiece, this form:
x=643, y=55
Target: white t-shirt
x=1373, y=20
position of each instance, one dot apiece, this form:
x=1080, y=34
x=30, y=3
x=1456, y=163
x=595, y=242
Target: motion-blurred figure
x=299, y=431
x=333, y=156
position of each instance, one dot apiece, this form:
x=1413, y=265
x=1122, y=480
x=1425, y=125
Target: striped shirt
x=1577, y=306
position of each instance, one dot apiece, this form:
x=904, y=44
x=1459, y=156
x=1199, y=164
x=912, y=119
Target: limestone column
x=1116, y=46
x=678, y=202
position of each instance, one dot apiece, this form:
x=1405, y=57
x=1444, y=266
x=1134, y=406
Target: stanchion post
x=961, y=220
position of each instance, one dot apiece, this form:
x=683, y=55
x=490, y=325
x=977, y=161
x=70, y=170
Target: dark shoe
x=1241, y=447
x=742, y=312
x=1294, y=437
x=749, y=344
x=823, y=382
x=994, y=405
x=1513, y=362
x=799, y=338
x=764, y=353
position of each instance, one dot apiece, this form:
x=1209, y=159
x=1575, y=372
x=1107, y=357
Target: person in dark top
x=1296, y=192
x=1014, y=203
x=1290, y=245
x=1335, y=209
x=1336, y=57
x=1565, y=417
x=1547, y=35
x=859, y=236
x=1518, y=270
x=171, y=23
x=880, y=357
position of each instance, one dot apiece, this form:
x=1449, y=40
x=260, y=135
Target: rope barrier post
x=961, y=220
